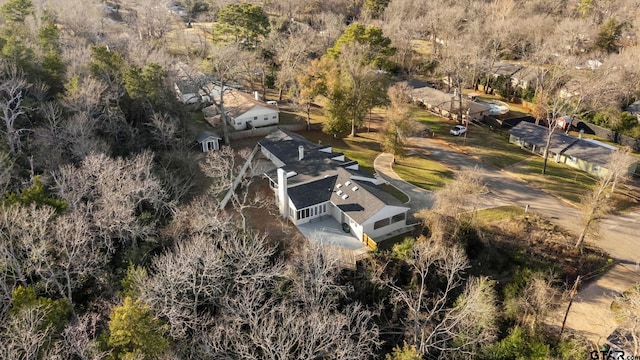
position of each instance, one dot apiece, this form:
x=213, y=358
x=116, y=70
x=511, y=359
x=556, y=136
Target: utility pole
x=574, y=291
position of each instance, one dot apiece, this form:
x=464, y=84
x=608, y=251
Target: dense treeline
x=112, y=245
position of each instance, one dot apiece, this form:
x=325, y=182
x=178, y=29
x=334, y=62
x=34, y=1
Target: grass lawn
x=363, y=148
x=422, y=172
x=560, y=180
x=436, y=124
x=395, y=192
x=488, y=146
x=498, y=213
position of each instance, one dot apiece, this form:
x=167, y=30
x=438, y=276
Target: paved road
x=619, y=235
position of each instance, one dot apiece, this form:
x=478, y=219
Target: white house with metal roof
x=312, y=182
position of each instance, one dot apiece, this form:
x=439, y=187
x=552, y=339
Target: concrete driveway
x=618, y=235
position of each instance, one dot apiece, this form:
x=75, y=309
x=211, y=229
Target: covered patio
x=326, y=230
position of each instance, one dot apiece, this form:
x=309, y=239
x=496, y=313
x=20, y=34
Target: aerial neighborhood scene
x=339, y=179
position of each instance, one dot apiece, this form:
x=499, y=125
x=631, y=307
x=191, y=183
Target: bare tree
x=72, y=255
x=79, y=340
x=598, y=202
x=256, y=322
x=24, y=231
x=186, y=286
x=534, y=301
x=200, y=217
x=88, y=96
x=114, y=194
x=6, y=167
x=24, y=335
x=226, y=167
x=431, y=322
x=12, y=90
x=552, y=102
x=455, y=205
x=291, y=52
x=399, y=124
x=628, y=308
x=164, y=128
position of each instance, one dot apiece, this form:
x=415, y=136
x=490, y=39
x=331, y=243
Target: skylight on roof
x=355, y=188
x=338, y=186
x=348, y=183
x=340, y=192
x=345, y=197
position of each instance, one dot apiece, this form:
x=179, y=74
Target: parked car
x=458, y=130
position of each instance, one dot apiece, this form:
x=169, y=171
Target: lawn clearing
x=363, y=148
x=498, y=213
x=560, y=180
x=422, y=172
x=487, y=146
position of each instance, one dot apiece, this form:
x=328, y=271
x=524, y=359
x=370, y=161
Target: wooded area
x=112, y=244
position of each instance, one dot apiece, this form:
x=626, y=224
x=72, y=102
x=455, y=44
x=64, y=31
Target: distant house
x=208, y=141
x=564, y=122
x=447, y=105
x=312, y=182
x=587, y=155
x=190, y=92
x=526, y=77
x=245, y=111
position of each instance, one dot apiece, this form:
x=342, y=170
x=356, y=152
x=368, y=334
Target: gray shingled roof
x=360, y=204
x=588, y=151
x=537, y=135
x=312, y=193
x=204, y=135
x=316, y=163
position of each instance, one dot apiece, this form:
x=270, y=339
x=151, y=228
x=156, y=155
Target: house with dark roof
x=588, y=155
x=311, y=182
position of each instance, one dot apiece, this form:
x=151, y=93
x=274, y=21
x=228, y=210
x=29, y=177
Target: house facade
x=311, y=182
x=587, y=155
x=447, y=105
x=245, y=111
x=208, y=141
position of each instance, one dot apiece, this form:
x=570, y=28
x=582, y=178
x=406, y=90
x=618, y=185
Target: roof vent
x=338, y=186
x=345, y=197
x=340, y=192
x=355, y=188
x=348, y=183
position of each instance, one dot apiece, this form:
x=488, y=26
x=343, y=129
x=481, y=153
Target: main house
x=244, y=111
x=311, y=181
